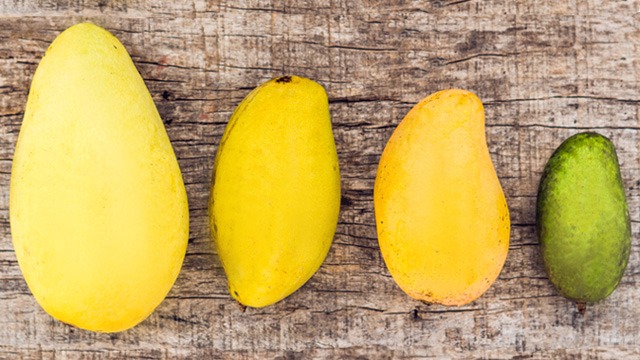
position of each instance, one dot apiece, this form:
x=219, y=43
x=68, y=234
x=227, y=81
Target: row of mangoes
x=100, y=219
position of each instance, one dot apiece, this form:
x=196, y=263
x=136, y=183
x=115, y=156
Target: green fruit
x=583, y=218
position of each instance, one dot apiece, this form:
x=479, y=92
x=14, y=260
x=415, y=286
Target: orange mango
x=441, y=215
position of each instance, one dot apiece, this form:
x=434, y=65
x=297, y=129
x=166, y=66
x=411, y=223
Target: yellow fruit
x=275, y=194
x=442, y=219
x=98, y=209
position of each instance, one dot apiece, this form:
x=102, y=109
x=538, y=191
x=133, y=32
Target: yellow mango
x=275, y=193
x=98, y=208
x=441, y=216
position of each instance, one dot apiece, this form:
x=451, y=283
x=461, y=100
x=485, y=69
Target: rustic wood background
x=545, y=70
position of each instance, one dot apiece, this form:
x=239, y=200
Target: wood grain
x=545, y=70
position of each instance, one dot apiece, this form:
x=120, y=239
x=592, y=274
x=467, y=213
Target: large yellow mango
x=442, y=218
x=99, y=214
x=275, y=194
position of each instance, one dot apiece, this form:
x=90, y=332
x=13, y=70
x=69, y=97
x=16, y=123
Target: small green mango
x=583, y=219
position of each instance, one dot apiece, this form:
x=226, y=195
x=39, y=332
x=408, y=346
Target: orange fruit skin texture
x=441, y=215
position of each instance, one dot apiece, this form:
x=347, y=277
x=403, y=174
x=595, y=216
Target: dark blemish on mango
x=283, y=79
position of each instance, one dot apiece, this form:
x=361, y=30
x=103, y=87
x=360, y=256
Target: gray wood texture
x=545, y=70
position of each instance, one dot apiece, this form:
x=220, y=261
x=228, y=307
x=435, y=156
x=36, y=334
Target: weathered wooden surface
x=545, y=70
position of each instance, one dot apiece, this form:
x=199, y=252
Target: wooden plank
x=544, y=71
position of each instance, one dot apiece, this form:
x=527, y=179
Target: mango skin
x=442, y=218
x=583, y=218
x=275, y=196
x=98, y=208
